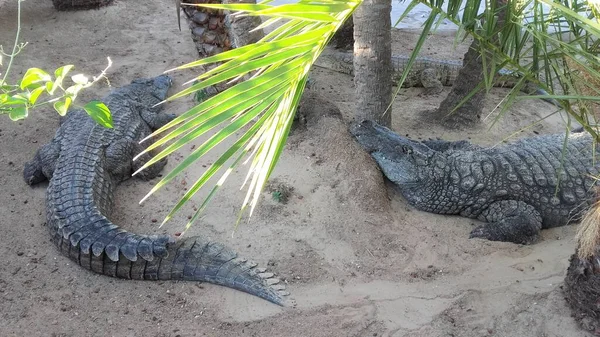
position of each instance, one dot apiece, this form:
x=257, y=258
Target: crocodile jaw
x=398, y=157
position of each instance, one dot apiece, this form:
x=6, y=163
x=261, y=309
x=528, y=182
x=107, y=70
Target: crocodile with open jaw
x=517, y=189
x=85, y=162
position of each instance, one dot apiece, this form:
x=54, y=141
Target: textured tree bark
x=215, y=31
x=372, y=60
x=469, y=78
x=72, y=5
x=582, y=292
x=240, y=27
x=208, y=27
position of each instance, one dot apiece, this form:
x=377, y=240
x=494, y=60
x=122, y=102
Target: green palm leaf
x=264, y=104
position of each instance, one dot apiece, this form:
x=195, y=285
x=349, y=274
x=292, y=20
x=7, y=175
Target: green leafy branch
x=17, y=99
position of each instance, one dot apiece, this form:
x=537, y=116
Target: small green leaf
x=34, y=76
x=63, y=107
x=60, y=74
x=35, y=94
x=62, y=71
x=13, y=100
x=74, y=90
x=80, y=79
x=100, y=113
x=18, y=113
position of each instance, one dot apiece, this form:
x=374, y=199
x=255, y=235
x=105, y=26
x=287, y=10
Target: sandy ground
x=357, y=259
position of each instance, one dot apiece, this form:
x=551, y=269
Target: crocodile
x=516, y=189
x=85, y=162
x=427, y=72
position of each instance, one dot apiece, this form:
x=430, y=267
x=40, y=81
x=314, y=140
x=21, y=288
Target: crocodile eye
x=407, y=149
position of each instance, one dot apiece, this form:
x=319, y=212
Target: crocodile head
x=407, y=163
x=402, y=160
x=152, y=90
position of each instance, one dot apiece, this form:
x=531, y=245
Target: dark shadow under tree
x=344, y=37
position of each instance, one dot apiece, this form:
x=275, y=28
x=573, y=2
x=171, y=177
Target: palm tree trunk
x=70, y=5
x=582, y=292
x=372, y=60
x=240, y=27
x=469, y=78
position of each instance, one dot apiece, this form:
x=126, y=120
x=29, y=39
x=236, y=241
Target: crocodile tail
x=98, y=245
x=197, y=259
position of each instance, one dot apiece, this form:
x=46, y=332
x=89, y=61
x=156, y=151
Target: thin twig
x=15, y=47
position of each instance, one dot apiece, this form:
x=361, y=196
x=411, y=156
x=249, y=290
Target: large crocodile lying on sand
x=517, y=189
x=85, y=162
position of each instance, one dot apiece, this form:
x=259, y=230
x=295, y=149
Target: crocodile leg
x=150, y=172
x=152, y=115
x=118, y=160
x=510, y=221
x=41, y=167
x=156, y=120
x=118, y=156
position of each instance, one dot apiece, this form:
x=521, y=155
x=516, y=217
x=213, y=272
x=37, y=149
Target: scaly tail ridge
x=109, y=250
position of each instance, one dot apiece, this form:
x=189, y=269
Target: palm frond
x=264, y=104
